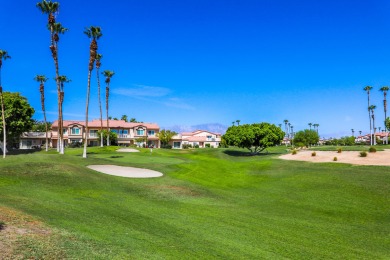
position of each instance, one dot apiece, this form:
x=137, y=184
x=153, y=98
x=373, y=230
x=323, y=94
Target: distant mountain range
x=212, y=127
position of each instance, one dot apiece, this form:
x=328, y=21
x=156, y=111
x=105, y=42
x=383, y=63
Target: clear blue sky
x=201, y=61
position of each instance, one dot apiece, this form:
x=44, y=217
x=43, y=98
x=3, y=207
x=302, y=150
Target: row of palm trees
x=371, y=115
x=94, y=33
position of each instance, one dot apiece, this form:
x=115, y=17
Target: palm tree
x=285, y=125
x=3, y=56
x=367, y=89
x=384, y=90
x=124, y=118
x=108, y=75
x=233, y=123
x=98, y=64
x=280, y=126
x=62, y=79
x=42, y=79
x=94, y=33
x=360, y=133
x=316, y=127
x=238, y=122
x=353, y=132
x=310, y=124
x=51, y=8
x=372, y=108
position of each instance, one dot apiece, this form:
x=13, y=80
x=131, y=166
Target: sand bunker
x=352, y=157
x=127, y=150
x=130, y=172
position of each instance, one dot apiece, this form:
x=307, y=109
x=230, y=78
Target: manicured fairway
x=211, y=203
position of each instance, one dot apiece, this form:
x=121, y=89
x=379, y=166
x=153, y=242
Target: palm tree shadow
x=246, y=154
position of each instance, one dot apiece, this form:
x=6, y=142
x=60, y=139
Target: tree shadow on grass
x=247, y=153
x=20, y=151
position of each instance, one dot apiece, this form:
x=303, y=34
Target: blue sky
x=184, y=63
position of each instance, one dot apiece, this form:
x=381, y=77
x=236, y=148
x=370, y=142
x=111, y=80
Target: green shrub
x=186, y=146
x=75, y=145
x=363, y=154
x=207, y=145
x=166, y=146
x=335, y=159
x=196, y=146
x=313, y=154
x=372, y=150
x=294, y=152
x=339, y=150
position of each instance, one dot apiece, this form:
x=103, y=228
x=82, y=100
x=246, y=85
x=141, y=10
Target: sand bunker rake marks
x=122, y=171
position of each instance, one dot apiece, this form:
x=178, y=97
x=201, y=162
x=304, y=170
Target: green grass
x=211, y=203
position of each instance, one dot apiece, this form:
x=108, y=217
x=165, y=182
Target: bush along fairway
x=210, y=203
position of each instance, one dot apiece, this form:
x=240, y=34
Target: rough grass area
x=211, y=203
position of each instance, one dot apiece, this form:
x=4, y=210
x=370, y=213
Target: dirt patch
x=24, y=237
x=351, y=157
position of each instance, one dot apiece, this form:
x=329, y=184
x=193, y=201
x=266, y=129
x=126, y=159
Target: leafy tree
x=113, y=137
x=165, y=136
x=94, y=33
x=18, y=116
x=108, y=75
x=133, y=120
x=306, y=138
x=254, y=137
x=40, y=126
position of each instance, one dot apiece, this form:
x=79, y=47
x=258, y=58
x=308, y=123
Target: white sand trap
x=127, y=150
x=352, y=157
x=130, y=172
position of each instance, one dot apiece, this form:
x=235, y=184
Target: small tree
x=306, y=138
x=254, y=137
x=165, y=136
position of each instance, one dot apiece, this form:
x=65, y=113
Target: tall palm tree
x=367, y=89
x=51, y=8
x=310, y=124
x=42, y=79
x=98, y=64
x=62, y=79
x=353, y=132
x=384, y=90
x=360, y=133
x=316, y=127
x=238, y=122
x=108, y=75
x=372, y=108
x=286, y=129
x=3, y=56
x=94, y=33
x=280, y=126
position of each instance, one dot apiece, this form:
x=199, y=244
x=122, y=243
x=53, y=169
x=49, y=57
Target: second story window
x=75, y=131
x=140, y=131
x=150, y=132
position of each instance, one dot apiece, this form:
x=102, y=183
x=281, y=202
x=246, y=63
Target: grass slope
x=211, y=203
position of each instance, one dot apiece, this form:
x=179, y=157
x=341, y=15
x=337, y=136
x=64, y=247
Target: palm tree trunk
x=108, y=127
x=4, y=128
x=100, y=108
x=86, y=115
x=385, y=107
x=44, y=114
x=369, y=116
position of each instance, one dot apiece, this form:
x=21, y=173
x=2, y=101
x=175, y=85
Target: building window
x=75, y=131
x=150, y=132
x=176, y=144
x=140, y=131
x=114, y=131
x=65, y=131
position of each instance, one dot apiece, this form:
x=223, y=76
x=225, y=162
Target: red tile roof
x=112, y=123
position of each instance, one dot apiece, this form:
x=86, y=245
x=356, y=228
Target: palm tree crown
x=50, y=8
x=94, y=33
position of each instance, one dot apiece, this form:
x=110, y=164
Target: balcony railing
x=93, y=135
x=123, y=136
